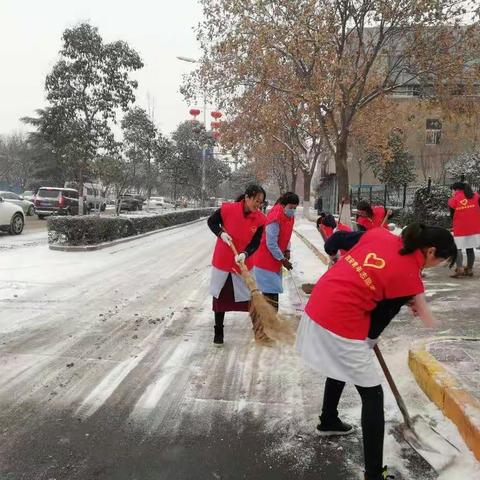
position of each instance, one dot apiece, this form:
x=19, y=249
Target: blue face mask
x=289, y=212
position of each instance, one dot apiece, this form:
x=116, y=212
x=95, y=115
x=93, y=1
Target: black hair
x=326, y=219
x=252, y=190
x=465, y=187
x=288, y=197
x=417, y=236
x=365, y=206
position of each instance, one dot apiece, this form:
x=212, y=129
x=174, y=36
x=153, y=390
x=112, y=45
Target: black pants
x=373, y=421
x=219, y=317
x=470, y=258
x=272, y=299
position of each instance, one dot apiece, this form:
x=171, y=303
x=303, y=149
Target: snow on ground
x=134, y=323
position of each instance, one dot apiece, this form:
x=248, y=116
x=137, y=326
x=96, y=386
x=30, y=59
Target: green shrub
x=91, y=230
x=429, y=207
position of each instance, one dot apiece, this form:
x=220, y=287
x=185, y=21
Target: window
x=407, y=91
x=433, y=131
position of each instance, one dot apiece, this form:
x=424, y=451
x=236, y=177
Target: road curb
x=100, y=246
x=446, y=392
x=323, y=258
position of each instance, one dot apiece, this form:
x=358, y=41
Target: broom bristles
x=273, y=325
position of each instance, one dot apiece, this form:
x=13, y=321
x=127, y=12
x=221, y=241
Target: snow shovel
x=435, y=449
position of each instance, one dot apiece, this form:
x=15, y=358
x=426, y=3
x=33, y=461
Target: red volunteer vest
x=328, y=231
x=466, y=219
x=374, y=222
x=241, y=228
x=373, y=270
x=263, y=258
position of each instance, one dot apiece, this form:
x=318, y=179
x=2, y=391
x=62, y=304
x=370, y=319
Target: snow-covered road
x=107, y=371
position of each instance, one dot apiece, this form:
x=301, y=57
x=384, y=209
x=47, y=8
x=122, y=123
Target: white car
x=27, y=206
x=12, y=218
x=160, y=202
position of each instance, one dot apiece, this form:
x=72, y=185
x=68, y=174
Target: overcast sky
x=30, y=38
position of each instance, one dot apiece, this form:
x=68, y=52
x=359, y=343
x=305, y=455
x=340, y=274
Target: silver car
x=27, y=207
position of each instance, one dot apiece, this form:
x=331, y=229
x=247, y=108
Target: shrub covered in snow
x=468, y=165
x=91, y=230
x=429, y=207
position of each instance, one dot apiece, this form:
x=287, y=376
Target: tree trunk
x=80, y=191
x=343, y=183
x=307, y=180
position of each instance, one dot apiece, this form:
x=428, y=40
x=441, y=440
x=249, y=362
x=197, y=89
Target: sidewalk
x=448, y=371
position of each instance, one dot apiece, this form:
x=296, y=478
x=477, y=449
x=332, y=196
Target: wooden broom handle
x=242, y=265
x=393, y=387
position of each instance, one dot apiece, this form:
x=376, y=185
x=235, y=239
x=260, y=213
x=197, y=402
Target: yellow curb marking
x=444, y=390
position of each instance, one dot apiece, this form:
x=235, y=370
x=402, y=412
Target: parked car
x=94, y=196
x=26, y=206
x=160, y=202
x=56, y=201
x=12, y=218
x=131, y=202
x=29, y=195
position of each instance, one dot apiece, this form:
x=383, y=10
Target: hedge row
x=91, y=230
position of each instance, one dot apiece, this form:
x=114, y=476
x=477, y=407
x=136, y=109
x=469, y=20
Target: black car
x=56, y=201
x=131, y=202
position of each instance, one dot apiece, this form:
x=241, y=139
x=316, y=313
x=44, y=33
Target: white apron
x=218, y=279
x=344, y=359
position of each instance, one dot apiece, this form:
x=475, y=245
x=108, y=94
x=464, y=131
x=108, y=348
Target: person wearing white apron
x=350, y=306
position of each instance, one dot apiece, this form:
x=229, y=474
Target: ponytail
x=411, y=236
x=417, y=236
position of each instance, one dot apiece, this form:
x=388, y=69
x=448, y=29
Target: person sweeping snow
x=465, y=208
x=348, y=309
x=239, y=223
x=274, y=251
x=371, y=216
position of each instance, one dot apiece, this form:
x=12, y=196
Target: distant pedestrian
x=348, y=309
x=372, y=216
x=318, y=205
x=274, y=251
x=465, y=208
x=241, y=223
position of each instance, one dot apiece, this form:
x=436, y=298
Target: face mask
x=289, y=212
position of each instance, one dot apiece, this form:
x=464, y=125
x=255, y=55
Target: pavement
x=448, y=371
x=107, y=372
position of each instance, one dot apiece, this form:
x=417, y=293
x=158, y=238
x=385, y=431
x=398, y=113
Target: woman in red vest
x=371, y=217
x=274, y=250
x=348, y=309
x=326, y=225
x=240, y=223
x=465, y=207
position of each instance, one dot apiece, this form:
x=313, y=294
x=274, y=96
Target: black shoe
x=383, y=476
x=331, y=429
x=218, y=338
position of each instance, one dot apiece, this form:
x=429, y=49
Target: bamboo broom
x=273, y=325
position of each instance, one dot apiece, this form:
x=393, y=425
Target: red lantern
x=216, y=135
x=216, y=124
x=194, y=112
x=216, y=115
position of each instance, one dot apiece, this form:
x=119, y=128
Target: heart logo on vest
x=253, y=229
x=371, y=260
x=464, y=202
